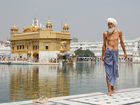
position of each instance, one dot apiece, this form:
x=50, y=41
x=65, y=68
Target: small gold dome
x=49, y=24
x=14, y=28
x=73, y=54
x=24, y=27
x=60, y=55
x=31, y=28
x=65, y=26
x=29, y=53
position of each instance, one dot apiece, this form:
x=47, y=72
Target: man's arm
x=104, y=46
x=122, y=44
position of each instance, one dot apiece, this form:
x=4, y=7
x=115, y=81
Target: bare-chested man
x=110, y=53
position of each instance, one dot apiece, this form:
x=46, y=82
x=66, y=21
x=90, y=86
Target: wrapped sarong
x=111, y=65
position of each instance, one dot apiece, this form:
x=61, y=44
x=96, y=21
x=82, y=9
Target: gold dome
x=73, y=54
x=29, y=52
x=14, y=28
x=31, y=28
x=65, y=26
x=60, y=55
x=24, y=27
x=49, y=24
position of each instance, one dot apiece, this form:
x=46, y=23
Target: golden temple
x=38, y=42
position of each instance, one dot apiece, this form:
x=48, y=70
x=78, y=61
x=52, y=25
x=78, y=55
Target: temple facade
x=38, y=43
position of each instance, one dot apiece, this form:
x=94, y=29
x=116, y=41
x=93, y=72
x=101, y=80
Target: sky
x=86, y=18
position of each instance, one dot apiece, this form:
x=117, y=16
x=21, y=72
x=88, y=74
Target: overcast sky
x=86, y=18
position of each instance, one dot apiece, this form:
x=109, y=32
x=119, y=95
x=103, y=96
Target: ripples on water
x=26, y=82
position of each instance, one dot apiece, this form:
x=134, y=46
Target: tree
x=84, y=53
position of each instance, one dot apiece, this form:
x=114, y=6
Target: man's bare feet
x=114, y=92
x=109, y=94
x=112, y=89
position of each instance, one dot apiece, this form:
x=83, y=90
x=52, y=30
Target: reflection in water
x=129, y=76
x=31, y=82
x=25, y=82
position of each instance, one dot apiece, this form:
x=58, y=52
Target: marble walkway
x=123, y=97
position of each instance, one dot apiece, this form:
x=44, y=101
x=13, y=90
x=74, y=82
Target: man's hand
x=125, y=56
x=103, y=58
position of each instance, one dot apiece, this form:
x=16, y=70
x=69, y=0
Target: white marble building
x=5, y=50
x=132, y=48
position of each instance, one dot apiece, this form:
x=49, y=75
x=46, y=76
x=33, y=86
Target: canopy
x=65, y=53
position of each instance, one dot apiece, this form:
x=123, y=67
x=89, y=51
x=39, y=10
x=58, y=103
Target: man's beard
x=110, y=30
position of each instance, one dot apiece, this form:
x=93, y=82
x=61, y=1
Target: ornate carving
x=47, y=41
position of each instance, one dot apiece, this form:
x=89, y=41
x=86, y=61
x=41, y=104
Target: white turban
x=111, y=20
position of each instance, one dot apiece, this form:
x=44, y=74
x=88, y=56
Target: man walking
x=110, y=53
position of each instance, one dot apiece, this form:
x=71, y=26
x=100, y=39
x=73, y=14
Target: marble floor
x=123, y=97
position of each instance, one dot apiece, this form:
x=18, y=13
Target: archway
x=36, y=56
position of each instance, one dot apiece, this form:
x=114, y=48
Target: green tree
x=84, y=53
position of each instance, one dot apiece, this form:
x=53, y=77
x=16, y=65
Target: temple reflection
x=31, y=82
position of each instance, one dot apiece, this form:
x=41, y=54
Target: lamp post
x=60, y=58
x=74, y=58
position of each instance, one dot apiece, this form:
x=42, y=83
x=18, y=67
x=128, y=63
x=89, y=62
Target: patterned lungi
x=111, y=65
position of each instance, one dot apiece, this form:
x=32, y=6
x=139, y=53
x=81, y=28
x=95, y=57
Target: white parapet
x=45, y=56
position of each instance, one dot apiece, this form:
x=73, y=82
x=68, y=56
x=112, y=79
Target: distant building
x=5, y=50
x=8, y=44
x=132, y=49
x=74, y=40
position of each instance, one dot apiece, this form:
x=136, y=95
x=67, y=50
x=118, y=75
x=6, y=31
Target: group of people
x=52, y=60
x=4, y=58
x=89, y=59
x=35, y=59
x=48, y=60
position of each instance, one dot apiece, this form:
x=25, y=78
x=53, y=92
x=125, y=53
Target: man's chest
x=112, y=37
